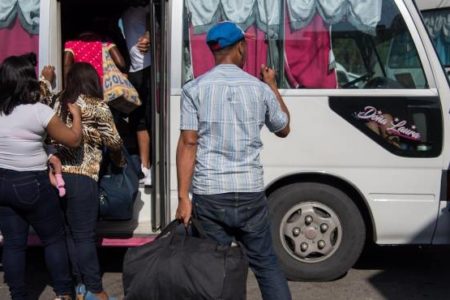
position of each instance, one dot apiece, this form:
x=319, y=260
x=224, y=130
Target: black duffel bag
x=178, y=265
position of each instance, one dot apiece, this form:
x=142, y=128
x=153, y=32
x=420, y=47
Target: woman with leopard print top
x=81, y=166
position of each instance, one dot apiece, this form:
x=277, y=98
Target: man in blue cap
x=222, y=113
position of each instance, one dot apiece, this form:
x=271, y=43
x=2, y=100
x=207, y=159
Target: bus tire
x=318, y=231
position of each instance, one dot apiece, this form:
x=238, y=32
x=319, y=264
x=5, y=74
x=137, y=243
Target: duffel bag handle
x=172, y=229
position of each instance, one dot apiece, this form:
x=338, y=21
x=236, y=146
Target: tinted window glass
x=405, y=126
x=438, y=23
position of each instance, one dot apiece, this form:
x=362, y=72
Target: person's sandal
x=80, y=291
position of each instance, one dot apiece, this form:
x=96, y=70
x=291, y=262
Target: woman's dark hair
x=18, y=82
x=82, y=79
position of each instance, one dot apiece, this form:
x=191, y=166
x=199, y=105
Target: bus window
x=316, y=45
x=438, y=24
x=403, y=63
x=19, y=28
x=250, y=15
x=348, y=51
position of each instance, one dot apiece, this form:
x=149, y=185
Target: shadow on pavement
x=38, y=279
x=393, y=273
x=408, y=272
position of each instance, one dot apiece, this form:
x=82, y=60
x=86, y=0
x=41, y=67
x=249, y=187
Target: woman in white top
x=26, y=195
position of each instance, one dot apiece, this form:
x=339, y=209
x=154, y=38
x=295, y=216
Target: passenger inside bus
x=87, y=47
x=135, y=25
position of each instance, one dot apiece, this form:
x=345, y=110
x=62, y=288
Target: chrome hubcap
x=311, y=232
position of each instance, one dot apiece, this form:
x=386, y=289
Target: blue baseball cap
x=225, y=34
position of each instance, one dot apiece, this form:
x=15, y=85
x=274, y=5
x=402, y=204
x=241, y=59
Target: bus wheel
x=317, y=230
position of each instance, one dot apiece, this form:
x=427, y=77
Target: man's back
x=228, y=108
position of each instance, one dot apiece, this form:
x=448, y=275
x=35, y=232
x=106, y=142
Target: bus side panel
x=402, y=193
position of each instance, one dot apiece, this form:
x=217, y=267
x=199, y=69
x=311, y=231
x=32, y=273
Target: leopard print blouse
x=98, y=129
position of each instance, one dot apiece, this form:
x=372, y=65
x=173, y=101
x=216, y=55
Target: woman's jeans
x=80, y=207
x=244, y=217
x=27, y=198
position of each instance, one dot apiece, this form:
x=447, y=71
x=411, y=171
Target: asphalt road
x=410, y=273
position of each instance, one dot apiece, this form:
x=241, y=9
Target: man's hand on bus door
x=184, y=210
x=268, y=75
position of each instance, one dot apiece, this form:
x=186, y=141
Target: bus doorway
x=105, y=19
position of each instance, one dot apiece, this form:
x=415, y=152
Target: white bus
x=368, y=155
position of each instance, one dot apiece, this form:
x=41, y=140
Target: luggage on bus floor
x=178, y=265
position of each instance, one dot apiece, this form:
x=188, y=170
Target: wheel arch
x=335, y=181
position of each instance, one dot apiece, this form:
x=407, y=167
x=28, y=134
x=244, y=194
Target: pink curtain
x=307, y=54
x=16, y=41
x=256, y=51
x=203, y=60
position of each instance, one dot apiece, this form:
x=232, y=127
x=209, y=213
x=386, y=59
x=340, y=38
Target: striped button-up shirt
x=228, y=107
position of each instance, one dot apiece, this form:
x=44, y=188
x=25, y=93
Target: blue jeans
x=80, y=206
x=244, y=217
x=27, y=198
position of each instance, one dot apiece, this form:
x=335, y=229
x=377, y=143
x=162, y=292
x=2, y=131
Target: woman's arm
x=70, y=137
x=46, y=81
x=117, y=58
x=69, y=60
